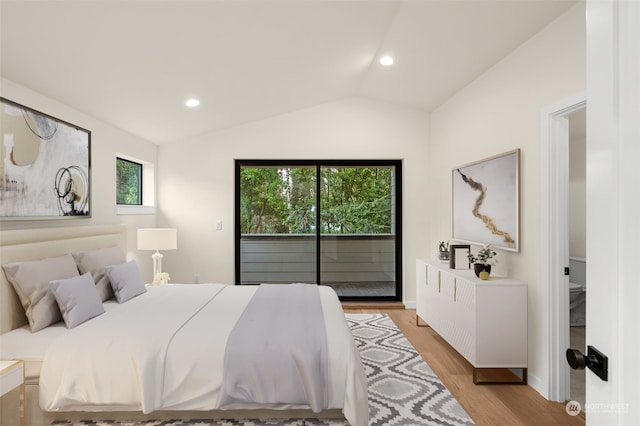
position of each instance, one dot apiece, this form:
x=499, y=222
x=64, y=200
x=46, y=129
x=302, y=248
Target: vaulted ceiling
x=133, y=64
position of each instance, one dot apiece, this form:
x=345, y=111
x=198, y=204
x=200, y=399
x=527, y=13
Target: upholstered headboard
x=34, y=244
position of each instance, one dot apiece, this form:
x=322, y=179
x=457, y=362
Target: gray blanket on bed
x=277, y=351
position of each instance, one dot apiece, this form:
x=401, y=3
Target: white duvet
x=164, y=350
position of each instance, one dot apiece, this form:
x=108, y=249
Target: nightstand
x=11, y=391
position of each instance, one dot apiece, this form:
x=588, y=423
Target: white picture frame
x=486, y=202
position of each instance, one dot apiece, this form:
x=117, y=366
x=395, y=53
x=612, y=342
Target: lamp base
x=157, y=267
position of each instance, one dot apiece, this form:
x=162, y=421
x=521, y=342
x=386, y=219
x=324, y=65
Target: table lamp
x=157, y=239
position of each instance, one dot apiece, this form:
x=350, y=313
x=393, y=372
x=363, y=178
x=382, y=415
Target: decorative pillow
x=31, y=280
x=77, y=298
x=125, y=280
x=95, y=261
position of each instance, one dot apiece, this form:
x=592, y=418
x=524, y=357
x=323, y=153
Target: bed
x=182, y=369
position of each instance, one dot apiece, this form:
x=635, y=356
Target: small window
x=129, y=182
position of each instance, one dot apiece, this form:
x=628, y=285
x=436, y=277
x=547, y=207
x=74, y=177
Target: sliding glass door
x=277, y=217
x=334, y=223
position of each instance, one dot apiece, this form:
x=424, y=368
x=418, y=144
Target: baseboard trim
x=539, y=386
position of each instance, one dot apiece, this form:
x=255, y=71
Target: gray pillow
x=77, y=298
x=125, y=280
x=31, y=280
x=95, y=261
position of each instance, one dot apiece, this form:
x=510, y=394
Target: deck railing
x=286, y=258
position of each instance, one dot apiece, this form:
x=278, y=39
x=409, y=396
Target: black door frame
x=397, y=164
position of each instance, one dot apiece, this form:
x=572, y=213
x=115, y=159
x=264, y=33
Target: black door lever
x=595, y=360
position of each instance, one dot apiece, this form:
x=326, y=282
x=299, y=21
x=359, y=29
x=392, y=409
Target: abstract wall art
x=45, y=166
x=486, y=201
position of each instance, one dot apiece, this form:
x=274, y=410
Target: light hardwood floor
x=486, y=404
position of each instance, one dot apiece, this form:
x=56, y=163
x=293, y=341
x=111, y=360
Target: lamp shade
x=157, y=239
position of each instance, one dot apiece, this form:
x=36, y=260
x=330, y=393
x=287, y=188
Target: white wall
x=106, y=140
x=499, y=112
x=196, y=179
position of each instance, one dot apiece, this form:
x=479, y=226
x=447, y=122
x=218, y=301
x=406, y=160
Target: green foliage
x=354, y=200
x=128, y=182
x=486, y=256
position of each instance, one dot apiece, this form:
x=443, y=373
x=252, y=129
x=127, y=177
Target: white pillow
x=125, y=280
x=95, y=261
x=31, y=280
x=78, y=299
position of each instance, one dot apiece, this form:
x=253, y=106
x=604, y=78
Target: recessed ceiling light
x=386, y=60
x=192, y=103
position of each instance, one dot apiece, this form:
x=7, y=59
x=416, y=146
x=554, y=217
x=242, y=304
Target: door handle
x=595, y=361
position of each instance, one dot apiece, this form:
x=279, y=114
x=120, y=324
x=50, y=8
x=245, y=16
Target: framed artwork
x=486, y=202
x=45, y=167
x=458, y=256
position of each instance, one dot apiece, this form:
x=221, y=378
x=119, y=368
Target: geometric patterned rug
x=403, y=390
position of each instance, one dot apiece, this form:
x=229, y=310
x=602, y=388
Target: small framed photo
x=458, y=256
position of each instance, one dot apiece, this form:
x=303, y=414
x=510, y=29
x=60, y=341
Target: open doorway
x=577, y=222
x=554, y=241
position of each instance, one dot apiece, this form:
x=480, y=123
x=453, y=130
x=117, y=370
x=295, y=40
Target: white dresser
x=484, y=320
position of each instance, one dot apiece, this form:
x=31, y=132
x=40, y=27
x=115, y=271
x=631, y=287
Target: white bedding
x=30, y=347
x=164, y=350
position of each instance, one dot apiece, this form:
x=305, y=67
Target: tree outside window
x=128, y=182
x=282, y=200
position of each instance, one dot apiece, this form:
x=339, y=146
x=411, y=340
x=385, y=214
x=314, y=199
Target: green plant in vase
x=482, y=261
x=443, y=250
